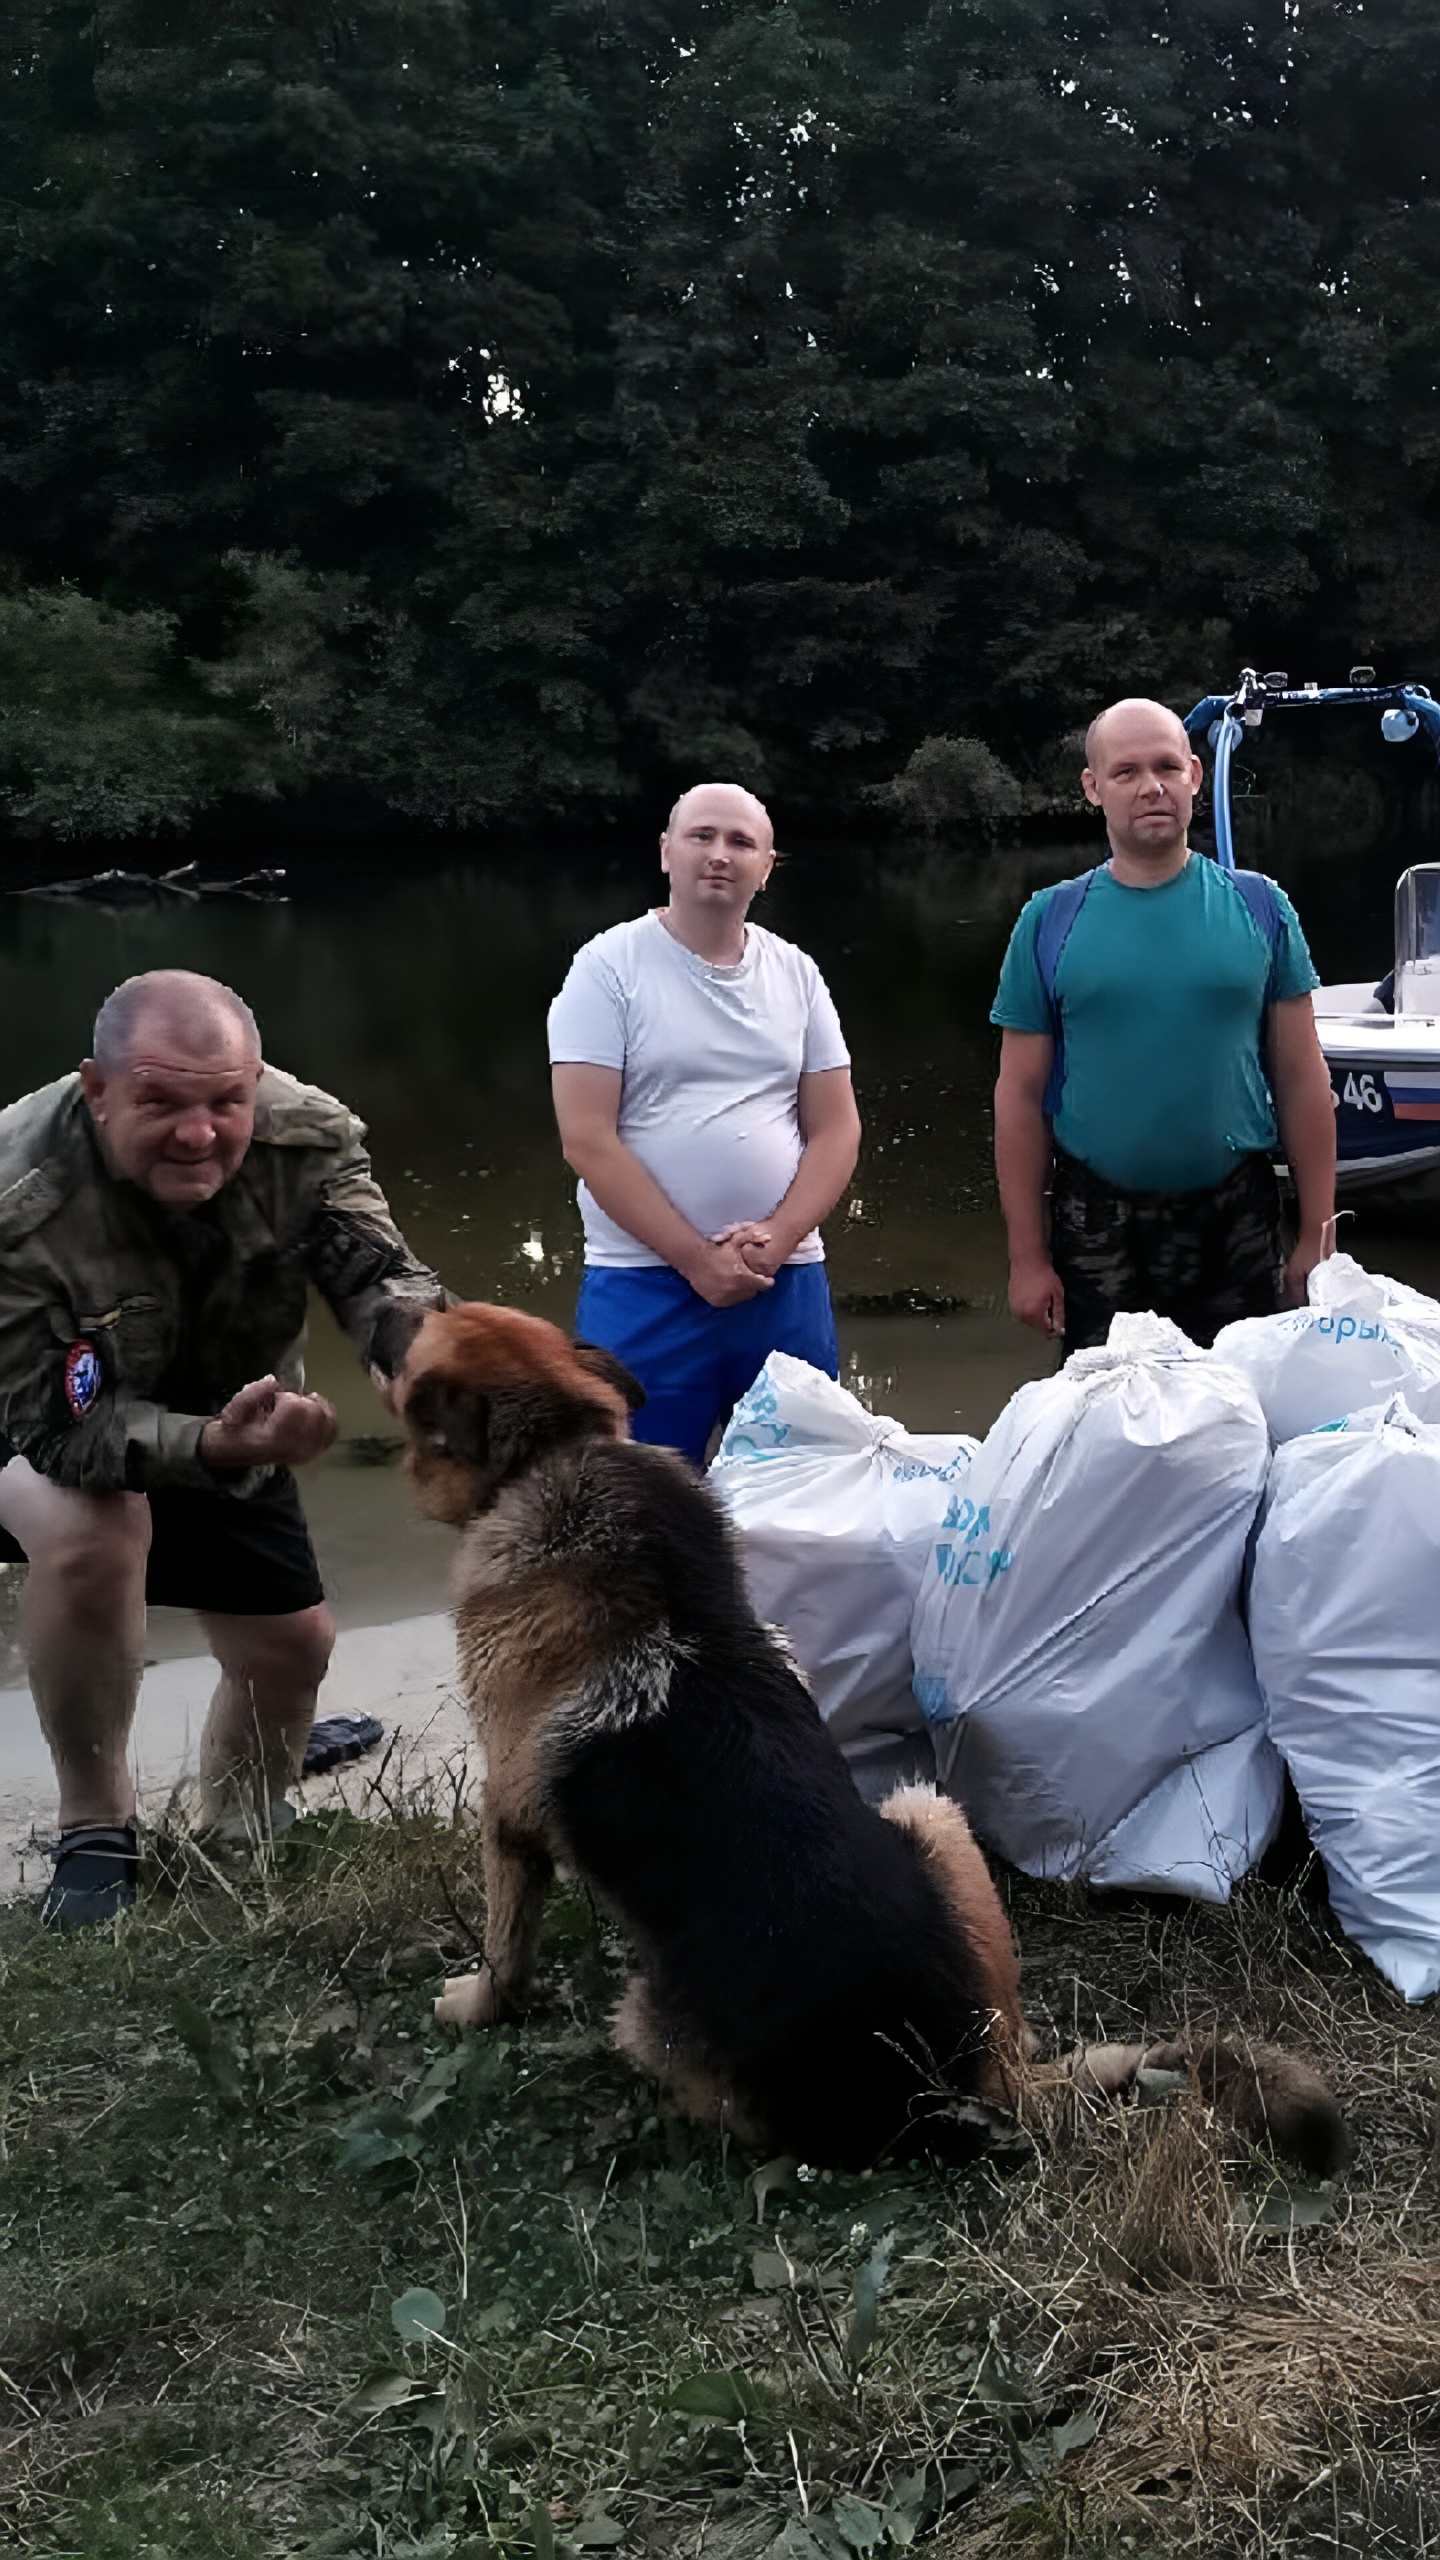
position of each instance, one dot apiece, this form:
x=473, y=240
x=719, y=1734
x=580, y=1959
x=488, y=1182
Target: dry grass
x=1109, y=2344
x=1242, y=2374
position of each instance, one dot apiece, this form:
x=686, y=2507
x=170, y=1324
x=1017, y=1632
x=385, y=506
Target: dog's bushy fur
x=823, y=1978
x=794, y=1943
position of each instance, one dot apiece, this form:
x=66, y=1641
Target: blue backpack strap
x=1259, y=896
x=1053, y=932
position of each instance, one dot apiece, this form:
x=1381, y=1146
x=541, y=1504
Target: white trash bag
x=1345, y=1623
x=1078, y=1642
x=836, y=1509
x=1361, y=1340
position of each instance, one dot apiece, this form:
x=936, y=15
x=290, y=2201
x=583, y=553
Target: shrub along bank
x=492, y=407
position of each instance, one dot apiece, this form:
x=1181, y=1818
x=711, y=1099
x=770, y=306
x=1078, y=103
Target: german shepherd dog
x=818, y=1977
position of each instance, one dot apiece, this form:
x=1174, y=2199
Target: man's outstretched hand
x=267, y=1425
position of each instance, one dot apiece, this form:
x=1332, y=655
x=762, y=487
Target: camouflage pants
x=1201, y=1257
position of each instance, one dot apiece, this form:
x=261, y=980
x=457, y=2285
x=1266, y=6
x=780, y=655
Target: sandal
x=337, y=1738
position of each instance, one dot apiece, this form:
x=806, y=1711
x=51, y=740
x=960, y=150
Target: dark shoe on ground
x=95, y=1868
x=337, y=1738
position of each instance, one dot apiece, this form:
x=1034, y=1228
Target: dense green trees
x=484, y=406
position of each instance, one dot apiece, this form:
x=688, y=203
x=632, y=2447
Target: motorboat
x=1382, y=1046
x=1381, y=1043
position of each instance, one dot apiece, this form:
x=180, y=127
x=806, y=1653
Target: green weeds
x=287, y=2273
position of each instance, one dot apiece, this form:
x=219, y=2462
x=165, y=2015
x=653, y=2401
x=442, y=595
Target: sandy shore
x=403, y=1672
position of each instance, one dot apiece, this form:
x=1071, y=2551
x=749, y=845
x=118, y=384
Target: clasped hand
x=734, y=1265
x=267, y=1425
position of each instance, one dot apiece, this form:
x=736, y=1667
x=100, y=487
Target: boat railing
x=1417, y=939
x=1222, y=719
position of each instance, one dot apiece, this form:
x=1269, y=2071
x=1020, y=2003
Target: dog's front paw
x=470, y=2000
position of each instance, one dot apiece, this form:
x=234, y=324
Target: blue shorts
x=695, y=1361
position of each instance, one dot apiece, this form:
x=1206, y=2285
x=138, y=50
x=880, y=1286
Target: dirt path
x=403, y=1672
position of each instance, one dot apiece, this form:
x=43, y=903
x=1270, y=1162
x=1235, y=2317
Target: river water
x=419, y=995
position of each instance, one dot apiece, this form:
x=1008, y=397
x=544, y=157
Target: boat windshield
x=1417, y=939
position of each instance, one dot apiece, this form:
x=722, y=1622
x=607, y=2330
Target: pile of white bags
x=1345, y=1623
x=1361, y=1340
x=1077, y=1636
x=1066, y=1596
x=836, y=1509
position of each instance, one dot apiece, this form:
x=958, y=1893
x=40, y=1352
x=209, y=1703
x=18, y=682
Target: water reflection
x=421, y=1000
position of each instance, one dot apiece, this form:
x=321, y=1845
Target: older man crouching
x=161, y=1213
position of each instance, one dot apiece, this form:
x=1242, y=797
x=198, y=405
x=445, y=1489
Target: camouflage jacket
x=107, y=1300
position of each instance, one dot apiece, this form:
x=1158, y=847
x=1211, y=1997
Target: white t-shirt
x=711, y=1059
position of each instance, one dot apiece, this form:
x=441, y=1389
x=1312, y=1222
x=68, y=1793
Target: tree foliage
x=490, y=406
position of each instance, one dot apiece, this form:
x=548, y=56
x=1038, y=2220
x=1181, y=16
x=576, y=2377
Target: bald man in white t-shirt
x=702, y=1087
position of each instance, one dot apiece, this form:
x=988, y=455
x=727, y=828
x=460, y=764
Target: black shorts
x=241, y=1558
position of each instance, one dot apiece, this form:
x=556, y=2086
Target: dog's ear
x=611, y=1372
x=525, y=1422
x=449, y=1421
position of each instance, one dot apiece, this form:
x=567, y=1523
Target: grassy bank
x=284, y=2270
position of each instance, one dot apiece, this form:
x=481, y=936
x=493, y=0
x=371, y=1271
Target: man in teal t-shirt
x=1188, y=1045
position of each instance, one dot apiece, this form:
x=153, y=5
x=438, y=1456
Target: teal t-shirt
x=1162, y=993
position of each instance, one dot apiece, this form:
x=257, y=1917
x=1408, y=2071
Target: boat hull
x=1385, y=1081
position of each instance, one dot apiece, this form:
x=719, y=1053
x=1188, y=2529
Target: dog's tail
x=1265, y=2094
